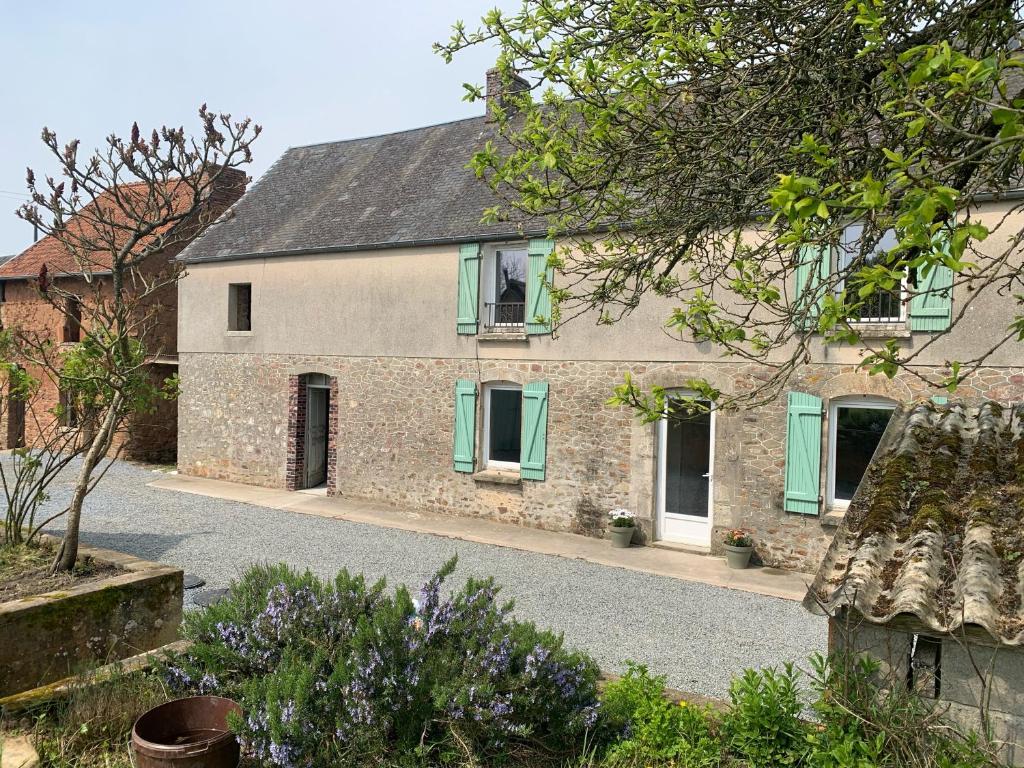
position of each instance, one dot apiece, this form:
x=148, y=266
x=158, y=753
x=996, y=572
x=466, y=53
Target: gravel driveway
x=698, y=635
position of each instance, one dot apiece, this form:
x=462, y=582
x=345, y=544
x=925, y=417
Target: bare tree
x=117, y=213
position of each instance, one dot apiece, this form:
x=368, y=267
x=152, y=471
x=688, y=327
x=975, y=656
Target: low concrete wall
x=48, y=637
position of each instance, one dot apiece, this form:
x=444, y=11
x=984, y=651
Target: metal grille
x=881, y=307
x=505, y=316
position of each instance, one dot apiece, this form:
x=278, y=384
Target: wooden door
x=316, y=436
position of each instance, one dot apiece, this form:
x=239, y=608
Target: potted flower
x=738, y=548
x=621, y=527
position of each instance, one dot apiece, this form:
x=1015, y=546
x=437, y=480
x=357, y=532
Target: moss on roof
x=936, y=529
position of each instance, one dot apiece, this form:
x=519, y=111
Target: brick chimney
x=497, y=88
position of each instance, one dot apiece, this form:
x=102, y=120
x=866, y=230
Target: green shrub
x=865, y=721
x=644, y=727
x=763, y=725
x=343, y=673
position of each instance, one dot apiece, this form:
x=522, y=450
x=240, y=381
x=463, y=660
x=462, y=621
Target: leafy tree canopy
x=700, y=149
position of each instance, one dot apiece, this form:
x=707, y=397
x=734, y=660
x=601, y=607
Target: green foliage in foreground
x=343, y=673
x=855, y=724
x=338, y=673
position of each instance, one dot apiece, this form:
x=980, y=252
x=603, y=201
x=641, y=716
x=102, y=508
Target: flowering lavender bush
x=341, y=673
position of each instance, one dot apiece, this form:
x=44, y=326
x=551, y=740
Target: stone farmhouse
x=147, y=436
x=926, y=571
x=353, y=325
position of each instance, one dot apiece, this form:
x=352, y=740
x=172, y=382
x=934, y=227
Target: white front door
x=686, y=461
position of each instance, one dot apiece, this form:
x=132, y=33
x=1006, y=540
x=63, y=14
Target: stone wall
x=392, y=420
x=53, y=636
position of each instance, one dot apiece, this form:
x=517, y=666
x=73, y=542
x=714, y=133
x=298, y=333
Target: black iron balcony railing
x=505, y=316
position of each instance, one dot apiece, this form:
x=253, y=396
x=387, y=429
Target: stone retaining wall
x=51, y=636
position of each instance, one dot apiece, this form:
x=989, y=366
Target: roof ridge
x=386, y=133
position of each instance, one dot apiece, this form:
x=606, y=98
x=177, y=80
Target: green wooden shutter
x=533, y=458
x=469, y=288
x=465, y=425
x=812, y=269
x=931, y=307
x=538, y=299
x=803, y=453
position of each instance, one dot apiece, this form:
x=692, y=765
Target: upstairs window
x=240, y=307
x=503, y=426
x=505, y=289
x=71, y=333
x=882, y=306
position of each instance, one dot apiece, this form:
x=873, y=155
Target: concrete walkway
x=686, y=566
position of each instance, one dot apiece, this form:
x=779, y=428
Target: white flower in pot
x=620, y=527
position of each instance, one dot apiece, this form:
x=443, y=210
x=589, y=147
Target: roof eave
x=94, y=273
x=387, y=245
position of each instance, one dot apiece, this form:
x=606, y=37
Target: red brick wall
x=145, y=436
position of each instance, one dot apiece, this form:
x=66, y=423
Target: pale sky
x=306, y=71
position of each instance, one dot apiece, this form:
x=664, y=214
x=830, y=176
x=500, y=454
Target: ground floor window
x=855, y=429
x=503, y=426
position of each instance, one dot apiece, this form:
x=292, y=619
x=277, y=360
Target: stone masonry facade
x=390, y=437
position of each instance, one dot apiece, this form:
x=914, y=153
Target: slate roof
x=406, y=188
x=935, y=532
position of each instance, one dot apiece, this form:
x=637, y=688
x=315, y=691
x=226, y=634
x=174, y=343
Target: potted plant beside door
x=738, y=548
x=620, y=529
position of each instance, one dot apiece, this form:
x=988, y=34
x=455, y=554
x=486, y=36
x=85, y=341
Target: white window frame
x=849, y=401
x=489, y=274
x=904, y=286
x=485, y=449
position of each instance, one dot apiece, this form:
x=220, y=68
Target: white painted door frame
x=683, y=529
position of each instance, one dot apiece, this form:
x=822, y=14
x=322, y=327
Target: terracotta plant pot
x=187, y=733
x=737, y=557
x=621, y=536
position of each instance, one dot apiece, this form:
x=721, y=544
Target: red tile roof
x=60, y=261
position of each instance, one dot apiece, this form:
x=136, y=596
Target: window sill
x=833, y=517
x=238, y=333
x=502, y=336
x=898, y=330
x=498, y=476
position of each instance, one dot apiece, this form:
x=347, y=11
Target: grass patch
x=92, y=727
x=17, y=559
x=25, y=570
